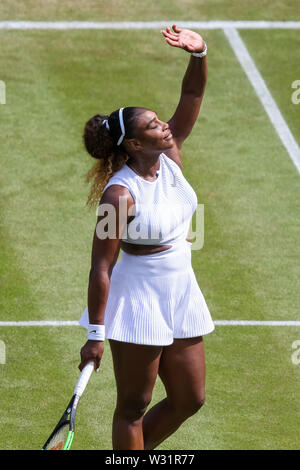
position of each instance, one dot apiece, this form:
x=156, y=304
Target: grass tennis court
x=248, y=268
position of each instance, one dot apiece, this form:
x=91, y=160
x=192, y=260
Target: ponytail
x=103, y=139
x=99, y=144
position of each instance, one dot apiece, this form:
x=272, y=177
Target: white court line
x=216, y=322
x=39, y=323
x=62, y=25
x=256, y=323
x=264, y=95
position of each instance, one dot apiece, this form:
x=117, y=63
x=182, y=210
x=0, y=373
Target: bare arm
x=192, y=89
x=193, y=86
x=104, y=256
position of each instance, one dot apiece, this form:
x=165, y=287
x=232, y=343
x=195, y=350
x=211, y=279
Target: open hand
x=184, y=38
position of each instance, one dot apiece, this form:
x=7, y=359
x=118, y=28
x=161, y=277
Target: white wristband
x=201, y=54
x=96, y=332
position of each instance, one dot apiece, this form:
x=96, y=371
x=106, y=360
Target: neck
x=145, y=166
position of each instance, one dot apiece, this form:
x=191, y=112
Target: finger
x=176, y=43
x=97, y=364
x=166, y=31
x=170, y=31
x=176, y=29
x=173, y=43
x=169, y=35
x=86, y=361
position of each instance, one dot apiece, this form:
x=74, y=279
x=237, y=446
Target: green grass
x=250, y=189
x=252, y=390
x=278, y=75
x=248, y=267
x=118, y=10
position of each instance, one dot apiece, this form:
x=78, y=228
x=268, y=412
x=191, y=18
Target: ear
x=133, y=144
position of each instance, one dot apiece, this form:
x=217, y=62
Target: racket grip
x=83, y=379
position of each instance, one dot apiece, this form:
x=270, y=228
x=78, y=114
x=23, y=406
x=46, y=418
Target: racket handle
x=83, y=379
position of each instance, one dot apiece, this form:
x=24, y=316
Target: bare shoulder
x=113, y=194
x=112, y=217
x=121, y=200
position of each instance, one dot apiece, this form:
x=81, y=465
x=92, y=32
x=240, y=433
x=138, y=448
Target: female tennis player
x=148, y=304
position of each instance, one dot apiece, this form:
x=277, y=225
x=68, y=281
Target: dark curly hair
x=100, y=140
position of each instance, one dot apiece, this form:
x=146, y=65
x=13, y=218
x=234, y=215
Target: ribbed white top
x=163, y=208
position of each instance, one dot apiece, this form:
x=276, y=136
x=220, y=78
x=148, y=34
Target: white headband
x=105, y=123
x=121, y=121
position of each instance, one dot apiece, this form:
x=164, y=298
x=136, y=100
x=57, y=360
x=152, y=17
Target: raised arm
x=193, y=84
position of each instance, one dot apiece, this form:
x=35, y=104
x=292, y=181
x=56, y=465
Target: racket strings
x=59, y=439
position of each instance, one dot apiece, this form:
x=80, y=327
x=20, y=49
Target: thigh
x=182, y=370
x=136, y=368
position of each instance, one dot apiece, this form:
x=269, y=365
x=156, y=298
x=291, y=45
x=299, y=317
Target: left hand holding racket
x=91, y=351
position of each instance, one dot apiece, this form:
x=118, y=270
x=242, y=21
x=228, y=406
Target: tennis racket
x=63, y=433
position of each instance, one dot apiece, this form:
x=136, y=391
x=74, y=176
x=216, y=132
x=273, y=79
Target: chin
x=169, y=144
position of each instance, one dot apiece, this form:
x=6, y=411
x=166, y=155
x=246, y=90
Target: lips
x=169, y=136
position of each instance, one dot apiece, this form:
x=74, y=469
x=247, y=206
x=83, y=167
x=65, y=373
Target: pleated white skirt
x=154, y=299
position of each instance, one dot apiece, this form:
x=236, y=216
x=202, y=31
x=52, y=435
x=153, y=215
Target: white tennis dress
x=156, y=298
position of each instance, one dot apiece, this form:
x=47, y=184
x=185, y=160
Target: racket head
x=62, y=436
x=61, y=439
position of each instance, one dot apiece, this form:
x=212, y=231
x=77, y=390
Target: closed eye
x=151, y=122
